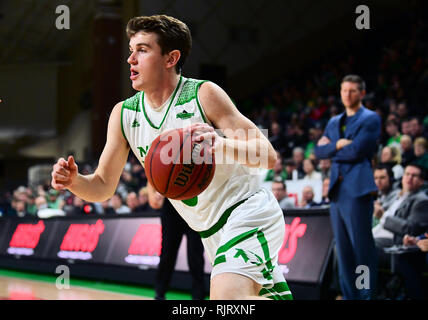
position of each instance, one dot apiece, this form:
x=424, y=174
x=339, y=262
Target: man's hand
x=323, y=141
x=409, y=240
x=64, y=173
x=342, y=143
x=423, y=244
x=378, y=210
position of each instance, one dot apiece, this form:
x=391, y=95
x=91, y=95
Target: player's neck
x=162, y=91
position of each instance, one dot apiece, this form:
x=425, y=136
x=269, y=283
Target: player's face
x=145, y=59
x=351, y=94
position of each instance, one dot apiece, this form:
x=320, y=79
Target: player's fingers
x=62, y=162
x=207, y=136
x=58, y=176
x=71, y=163
x=57, y=168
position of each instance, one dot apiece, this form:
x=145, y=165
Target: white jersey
x=231, y=183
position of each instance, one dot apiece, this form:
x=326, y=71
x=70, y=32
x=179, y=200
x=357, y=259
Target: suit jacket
x=352, y=162
x=410, y=218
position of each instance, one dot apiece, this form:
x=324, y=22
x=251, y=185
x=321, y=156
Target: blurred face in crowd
x=298, y=156
x=419, y=150
x=308, y=167
x=116, y=201
x=412, y=180
x=279, y=191
x=386, y=154
x=278, y=167
x=275, y=128
x=391, y=129
x=415, y=128
x=77, y=202
x=351, y=95
x=20, y=206
x=406, y=143
x=405, y=128
x=132, y=200
x=382, y=180
x=307, y=194
x=402, y=110
x=325, y=164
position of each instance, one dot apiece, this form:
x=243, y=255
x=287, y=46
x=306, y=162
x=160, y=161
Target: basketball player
x=240, y=223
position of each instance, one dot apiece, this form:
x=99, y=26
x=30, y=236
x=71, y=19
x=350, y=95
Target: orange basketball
x=178, y=167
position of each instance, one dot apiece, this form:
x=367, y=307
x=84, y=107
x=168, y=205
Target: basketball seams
x=173, y=165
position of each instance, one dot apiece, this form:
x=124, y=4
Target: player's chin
x=137, y=85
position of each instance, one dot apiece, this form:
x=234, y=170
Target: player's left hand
x=202, y=132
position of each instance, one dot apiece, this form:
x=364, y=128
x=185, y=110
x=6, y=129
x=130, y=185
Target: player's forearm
x=91, y=188
x=253, y=153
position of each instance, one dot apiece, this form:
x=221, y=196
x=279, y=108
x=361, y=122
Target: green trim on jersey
x=166, y=112
x=197, y=100
x=121, y=121
x=133, y=103
x=221, y=222
x=189, y=91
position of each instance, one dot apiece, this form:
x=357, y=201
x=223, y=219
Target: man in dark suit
x=411, y=220
x=350, y=140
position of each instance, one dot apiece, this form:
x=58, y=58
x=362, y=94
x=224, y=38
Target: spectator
x=132, y=201
x=325, y=184
x=43, y=211
x=384, y=179
x=324, y=166
x=416, y=128
x=54, y=200
x=278, y=170
x=390, y=156
x=19, y=207
x=291, y=169
x=298, y=157
x=308, y=198
x=314, y=135
x=407, y=153
x=143, y=200
x=410, y=216
x=309, y=169
x=279, y=190
x=276, y=138
x=406, y=127
x=394, y=135
x=106, y=207
x=421, y=147
x=116, y=202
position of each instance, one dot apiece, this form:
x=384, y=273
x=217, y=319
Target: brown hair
x=421, y=141
x=355, y=79
x=172, y=33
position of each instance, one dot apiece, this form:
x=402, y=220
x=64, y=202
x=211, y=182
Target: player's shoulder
x=132, y=103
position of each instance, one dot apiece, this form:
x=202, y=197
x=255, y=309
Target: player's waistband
x=223, y=219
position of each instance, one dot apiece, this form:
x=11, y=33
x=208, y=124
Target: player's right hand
x=63, y=173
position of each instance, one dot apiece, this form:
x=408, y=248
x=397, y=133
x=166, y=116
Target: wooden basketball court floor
x=18, y=285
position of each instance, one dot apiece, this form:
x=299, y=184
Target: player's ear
x=173, y=57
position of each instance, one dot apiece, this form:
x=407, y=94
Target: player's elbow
x=272, y=159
